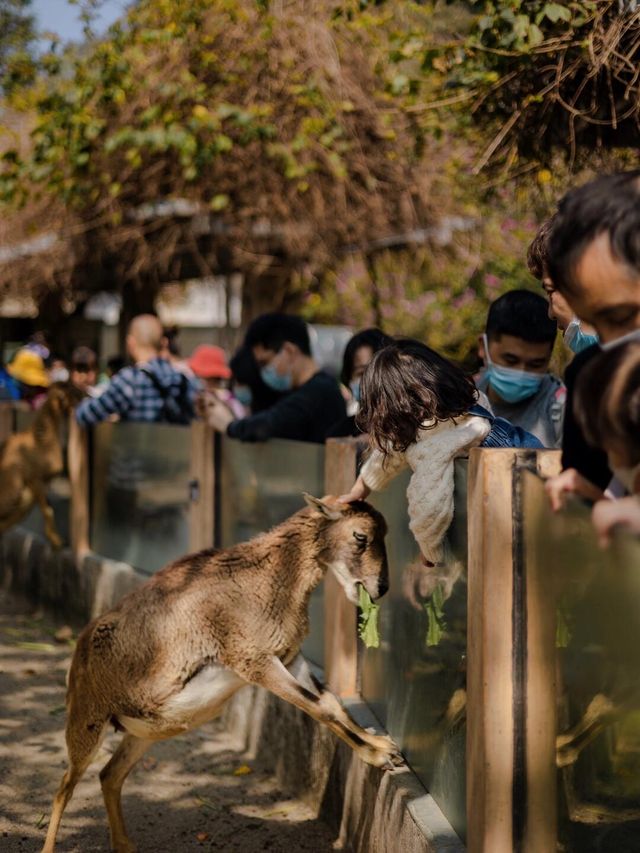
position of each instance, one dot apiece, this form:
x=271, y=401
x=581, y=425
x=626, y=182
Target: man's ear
x=331, y=511
x=481, y=351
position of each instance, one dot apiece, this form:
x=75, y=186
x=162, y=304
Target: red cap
x=209, y=362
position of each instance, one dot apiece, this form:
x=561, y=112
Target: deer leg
x=83, y=742
x=49, y=519
x=112, y=776
x=300, y=670
x=600, y=713
x=378, y=750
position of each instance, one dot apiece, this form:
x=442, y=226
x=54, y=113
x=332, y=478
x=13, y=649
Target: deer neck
x=46, y=433
x=300, y=569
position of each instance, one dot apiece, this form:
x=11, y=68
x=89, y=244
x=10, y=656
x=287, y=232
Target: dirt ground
x=196, y=792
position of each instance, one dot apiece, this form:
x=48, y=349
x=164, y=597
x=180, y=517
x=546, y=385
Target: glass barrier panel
x=415, y=682
x=596, y=594
x=140, y=493
x=260, y=485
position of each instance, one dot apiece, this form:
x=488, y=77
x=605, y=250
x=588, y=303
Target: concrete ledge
x=371, y=810
x=77, y=591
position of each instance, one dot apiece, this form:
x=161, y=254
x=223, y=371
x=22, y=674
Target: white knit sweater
x=430, y=491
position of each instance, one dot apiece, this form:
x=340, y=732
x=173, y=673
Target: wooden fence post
x=340, y=615
x=510, y=785
x=7, y=420
x=78, y=464
x=202, y=487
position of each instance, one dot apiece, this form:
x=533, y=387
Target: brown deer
x=176, y=649
x=31, y=458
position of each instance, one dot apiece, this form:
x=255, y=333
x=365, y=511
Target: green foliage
x=16, y=39
x=543, y=76
x=276, y=126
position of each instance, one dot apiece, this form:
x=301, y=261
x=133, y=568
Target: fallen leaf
x=243, y=770
x=36, y=647
x=149, y=762
x=208, y=804
x=202, y=836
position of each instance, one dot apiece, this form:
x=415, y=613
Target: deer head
x=353, y=545
x=62, y=397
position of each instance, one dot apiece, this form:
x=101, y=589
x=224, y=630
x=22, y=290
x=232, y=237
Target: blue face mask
x=354, y=387
x=276, y=381
x=513, y=386
x=243, y=395
x=576, y=339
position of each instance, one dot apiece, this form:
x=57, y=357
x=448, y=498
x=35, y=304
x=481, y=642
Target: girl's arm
x=359, y=492
x=376, y=473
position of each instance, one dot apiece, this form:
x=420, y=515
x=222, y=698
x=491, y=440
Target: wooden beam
x=78, y=464
x=511, y=727
x=490, y=745
x=340, y=615
x=7, y=420
x=201, y=487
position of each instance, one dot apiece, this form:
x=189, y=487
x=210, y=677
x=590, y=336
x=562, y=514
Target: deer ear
x=331, y=511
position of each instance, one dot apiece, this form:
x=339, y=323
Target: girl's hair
x=406, y=384
x=610, y=418
x=374, y=338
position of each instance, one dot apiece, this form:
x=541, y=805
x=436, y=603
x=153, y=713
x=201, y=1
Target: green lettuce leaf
x=368, y=622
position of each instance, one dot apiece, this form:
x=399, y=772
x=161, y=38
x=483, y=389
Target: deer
x=169, y=656
x=31, y=458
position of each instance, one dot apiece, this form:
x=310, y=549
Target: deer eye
x=360, y=538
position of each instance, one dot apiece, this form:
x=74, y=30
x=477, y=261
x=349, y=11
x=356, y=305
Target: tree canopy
x=17, y=34
x=279, y=132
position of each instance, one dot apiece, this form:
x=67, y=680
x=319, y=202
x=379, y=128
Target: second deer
x=31, y=458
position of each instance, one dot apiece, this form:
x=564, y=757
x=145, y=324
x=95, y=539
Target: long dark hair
x=374, y=338
x=406, y=384
x=607, y=400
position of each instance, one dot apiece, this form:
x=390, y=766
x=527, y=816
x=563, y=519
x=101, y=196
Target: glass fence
x=415, y=682
x=261, y=484
x=597, y=674
x=140, y=493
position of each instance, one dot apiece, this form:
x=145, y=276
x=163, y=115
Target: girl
x=421, y=411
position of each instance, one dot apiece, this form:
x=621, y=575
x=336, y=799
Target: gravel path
x=196, y=792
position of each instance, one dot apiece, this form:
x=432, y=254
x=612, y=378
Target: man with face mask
x=281, y=349
x=516, y=349
x=594, y=262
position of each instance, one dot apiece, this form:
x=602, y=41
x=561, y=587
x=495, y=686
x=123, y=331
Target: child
x=421, y=411
x=610, y=421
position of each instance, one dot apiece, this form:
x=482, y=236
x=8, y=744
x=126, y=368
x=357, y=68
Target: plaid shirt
x=133, y=396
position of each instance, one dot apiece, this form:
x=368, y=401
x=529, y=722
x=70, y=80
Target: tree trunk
x=138, y=297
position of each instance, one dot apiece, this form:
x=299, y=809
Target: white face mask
x=59, y=374
x=617, y=342
x=627, y=476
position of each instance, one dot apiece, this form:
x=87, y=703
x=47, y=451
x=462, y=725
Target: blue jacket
x=503, y=433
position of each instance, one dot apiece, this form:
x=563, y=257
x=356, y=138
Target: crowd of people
x=418, y=408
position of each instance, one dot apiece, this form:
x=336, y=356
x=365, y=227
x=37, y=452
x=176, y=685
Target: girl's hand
x=570, y=482
x=608, y=515
x=359, y=492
